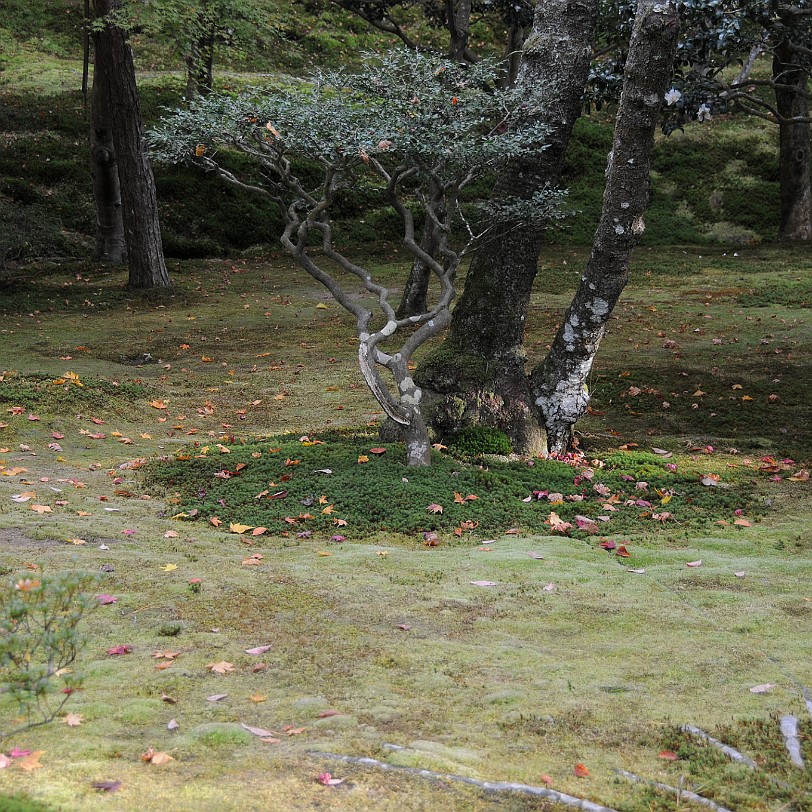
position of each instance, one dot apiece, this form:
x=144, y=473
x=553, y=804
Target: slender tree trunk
x=795, y=149
x=114, y=59
x=559, y=384
x=478, y=374
x=513, y=54
x=110, y=244
x=413, y=302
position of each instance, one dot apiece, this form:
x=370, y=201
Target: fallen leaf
x=742, y=523
x=483, y=583
x=216, y=697
x=169, y=567
x=537, y=556
x=72, y=719
x=623, y=552
x=117, y=650
x=106, y=786
x=31, y=762
x=41, y=508
x=546, y=779
x=236, y=527
x=581, y=771
x=105, y=600
x=762, y=689
x=328, y=713
x=697, y=563
x=257, y=731
x=328, y=780
x=222, y=667
x=434, y=508
x=258, y=698
x=668, y=755
x=258, y=649
x=172, y=724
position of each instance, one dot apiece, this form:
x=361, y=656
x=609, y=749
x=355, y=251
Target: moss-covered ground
x=571, y=655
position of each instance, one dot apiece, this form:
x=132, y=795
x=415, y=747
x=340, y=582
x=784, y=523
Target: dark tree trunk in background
x=478, y=374
x=795, y=149
x=513, y=54
x=559, y=384
x=200, y=63
x=113, y=58
x=459, y=22
x=110, y=244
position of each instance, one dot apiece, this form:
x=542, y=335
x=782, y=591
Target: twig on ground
x=789, y=730
x=683, y=794
x=730, y=752
x=488, y=786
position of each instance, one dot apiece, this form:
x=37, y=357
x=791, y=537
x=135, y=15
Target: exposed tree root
x=789, y=730
x=731, y=752
x=488, y=786
x=683, y=794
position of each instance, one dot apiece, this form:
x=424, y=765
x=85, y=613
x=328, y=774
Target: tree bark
x=200, y=62
x=110, y=244
x=458, y=16
x=795, y=153
x=113, y=58
x=478, y=374
x=414, y=300
x=559, y=384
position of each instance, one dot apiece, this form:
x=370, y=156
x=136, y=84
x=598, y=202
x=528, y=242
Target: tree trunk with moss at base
x=478, y=374
x=113, y=58
x=559, y=384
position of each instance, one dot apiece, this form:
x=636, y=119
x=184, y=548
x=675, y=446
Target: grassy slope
x=504, y=683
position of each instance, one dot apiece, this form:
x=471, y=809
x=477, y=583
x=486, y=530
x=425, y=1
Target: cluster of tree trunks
x=478, y=375
x=123, y=183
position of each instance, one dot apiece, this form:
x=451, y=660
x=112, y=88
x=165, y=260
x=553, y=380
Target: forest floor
x=467, y=658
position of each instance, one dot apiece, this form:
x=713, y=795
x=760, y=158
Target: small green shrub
x=39, y=639
x=477, y=440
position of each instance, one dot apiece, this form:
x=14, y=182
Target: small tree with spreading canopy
x=420, y=129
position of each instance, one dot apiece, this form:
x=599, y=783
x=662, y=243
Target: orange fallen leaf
x=30, y=762
x=581, y=771
x=222, y=667
x=158, y=404
x=546, y=779
x=668, y=755
x=41, y=509
x=362, y=458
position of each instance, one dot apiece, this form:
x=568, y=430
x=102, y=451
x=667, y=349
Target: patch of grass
x=280, y=484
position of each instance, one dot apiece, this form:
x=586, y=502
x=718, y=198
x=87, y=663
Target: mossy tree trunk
x=790, y=80
x=559, y=384
x=113, y=58
x=478, y=374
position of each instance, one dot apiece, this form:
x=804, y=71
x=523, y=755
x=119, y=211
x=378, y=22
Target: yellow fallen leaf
x=76, y=541
x=41, y=509
x=31, y=761
x=258, y=698
x=236, y=527
x=159, y=759
x=169, y=567
x=324, y=553
x=322, y=306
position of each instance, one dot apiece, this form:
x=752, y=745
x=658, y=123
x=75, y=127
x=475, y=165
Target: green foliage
x=477, y=440
x=40, y=638
x=21, y=803
x=383, y=494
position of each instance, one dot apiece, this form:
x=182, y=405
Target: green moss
x=478, y=440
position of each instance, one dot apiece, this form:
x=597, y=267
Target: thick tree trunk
x=458, y=15
x=113, y=58
x=559, y=384
x=795, y=149
x=110, y=244
x=478, y=373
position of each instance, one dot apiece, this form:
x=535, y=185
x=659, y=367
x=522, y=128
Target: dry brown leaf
x=222, y=667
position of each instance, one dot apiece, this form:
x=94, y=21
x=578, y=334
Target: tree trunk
x=478, y=373
x=110, y=244
x=559, y=384
x=458, y=17
x=513, y=54
x=414, y=300
x=113, y=58
x=795, y=155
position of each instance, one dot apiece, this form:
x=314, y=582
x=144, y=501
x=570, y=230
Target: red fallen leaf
x=327, y=714
x=623, y=552
x=546, y=779
x=608, y=544
x=581, y=771
x=106, y=786
x=278, y=495
x=116, y=650
x=57, y=436
x=668, y=755
x=326, y=778
x=405, y=627
x=377, y=451
x=19, y=752
x=104, y=600
x=431, y=539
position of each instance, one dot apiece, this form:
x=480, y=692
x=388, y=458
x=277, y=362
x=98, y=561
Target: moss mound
x=345, y=486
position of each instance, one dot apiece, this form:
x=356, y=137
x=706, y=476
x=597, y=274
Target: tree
x=559, y=384
x=478, y=375
x=118, y=98
x=422, y=131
